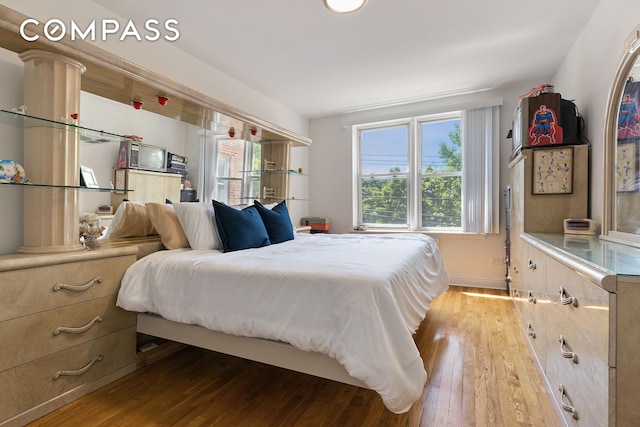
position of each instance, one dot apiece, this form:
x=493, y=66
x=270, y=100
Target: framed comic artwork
x=553, y=170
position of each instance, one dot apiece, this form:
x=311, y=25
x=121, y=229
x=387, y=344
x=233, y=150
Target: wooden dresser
x=61, y=332
x=579, y=303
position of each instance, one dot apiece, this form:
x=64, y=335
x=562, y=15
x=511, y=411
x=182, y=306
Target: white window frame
x=432, y=118
x=213, y=182
x=480, y=170
x=358, y=168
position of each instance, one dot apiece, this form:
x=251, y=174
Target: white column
x=51, y=153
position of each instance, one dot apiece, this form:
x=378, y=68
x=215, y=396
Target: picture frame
x=553, y=171
x=627, y=167
x=88, y=178
x=628, y=117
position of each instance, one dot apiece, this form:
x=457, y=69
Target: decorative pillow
x=240, y=229
x=130, y=220
x=165, y=221
x=277, y=221
x=199, y=224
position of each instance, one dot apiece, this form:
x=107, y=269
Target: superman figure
x=544, y=121
x=544, y=129
x=628, y=112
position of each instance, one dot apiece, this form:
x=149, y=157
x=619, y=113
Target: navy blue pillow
x=240, y=229
x=276, y=221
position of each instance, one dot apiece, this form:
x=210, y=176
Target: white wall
x=468, y=258
x=588, y=72
x=585, y=76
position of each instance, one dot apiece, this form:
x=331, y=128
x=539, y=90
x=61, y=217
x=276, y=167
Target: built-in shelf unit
x=87, y=136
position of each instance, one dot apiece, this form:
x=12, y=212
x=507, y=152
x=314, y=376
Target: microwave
x=136, y=155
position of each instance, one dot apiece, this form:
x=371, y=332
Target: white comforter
x=356, y=298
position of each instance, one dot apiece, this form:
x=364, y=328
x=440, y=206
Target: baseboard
x=478, y=282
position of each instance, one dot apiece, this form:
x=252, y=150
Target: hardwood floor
x=480, y=374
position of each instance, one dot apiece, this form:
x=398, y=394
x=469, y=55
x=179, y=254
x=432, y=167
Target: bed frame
x=274, y=353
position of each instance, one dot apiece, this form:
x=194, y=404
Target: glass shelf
x=77, y=187
x=87, y=135
x=274, y=198
x=268, y=171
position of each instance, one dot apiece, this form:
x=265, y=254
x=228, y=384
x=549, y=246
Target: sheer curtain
x=481, y=170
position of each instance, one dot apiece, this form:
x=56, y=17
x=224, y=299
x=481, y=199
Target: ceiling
x=318, y=63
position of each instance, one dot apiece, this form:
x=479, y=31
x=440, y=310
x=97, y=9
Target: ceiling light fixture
x=344, y=6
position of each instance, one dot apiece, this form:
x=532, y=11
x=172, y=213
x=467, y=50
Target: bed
x=357, y=299
x=339, y=306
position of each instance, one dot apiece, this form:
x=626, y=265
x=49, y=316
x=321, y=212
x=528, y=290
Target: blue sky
x=383, y=149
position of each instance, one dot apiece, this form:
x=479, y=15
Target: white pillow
x=199, y=224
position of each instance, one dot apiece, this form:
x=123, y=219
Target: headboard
x=145, y=186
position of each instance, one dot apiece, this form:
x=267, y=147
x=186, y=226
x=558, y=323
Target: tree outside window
x=387, y=181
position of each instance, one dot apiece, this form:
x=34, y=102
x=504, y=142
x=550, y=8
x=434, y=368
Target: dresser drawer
x=51, y=331
x=31, y=384
x=519, y=299
x=33, y=290
x=581, y=303
x=583, y=371
x=535, y=264
x=520, y=278
x=533, y=321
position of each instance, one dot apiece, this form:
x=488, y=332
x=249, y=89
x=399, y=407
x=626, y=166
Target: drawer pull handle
x=566, y=298
x=80, y=371
x=79, y=330
x=77, y=288
x=531, y=265
x=530, y=331
x=565, y=402
x=566, y=352
x=531, y=297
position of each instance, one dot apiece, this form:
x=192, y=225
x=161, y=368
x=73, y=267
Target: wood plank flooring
x=480, y=374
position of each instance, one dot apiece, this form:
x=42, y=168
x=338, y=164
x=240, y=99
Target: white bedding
x=356, y=298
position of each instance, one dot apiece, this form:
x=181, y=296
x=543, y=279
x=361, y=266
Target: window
x=429, y=173
x=440, y=172
x=384, y=154
x=232, y=181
